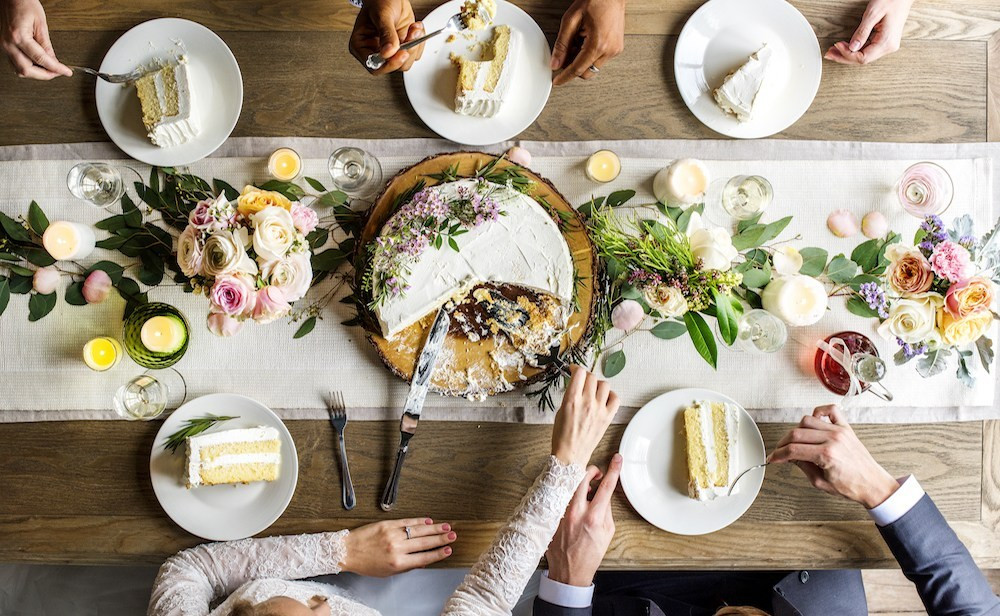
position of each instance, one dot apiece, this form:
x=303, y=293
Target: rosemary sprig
x=193, y=427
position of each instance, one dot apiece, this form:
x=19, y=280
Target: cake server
x=375, y=61
x=415, y=401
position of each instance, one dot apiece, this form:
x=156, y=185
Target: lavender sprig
x=874, y=296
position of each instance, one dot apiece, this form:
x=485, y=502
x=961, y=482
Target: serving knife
x=415, y=402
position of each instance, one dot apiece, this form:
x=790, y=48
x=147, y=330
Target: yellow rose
x=963, y=331
x=253, y=200
x=972, y=295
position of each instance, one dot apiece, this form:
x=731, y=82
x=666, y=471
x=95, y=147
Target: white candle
x=797, y=300
x=603, y=166
x=68, y=240
x=682, y=182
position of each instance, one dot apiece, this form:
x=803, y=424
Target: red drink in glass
x=834, y=376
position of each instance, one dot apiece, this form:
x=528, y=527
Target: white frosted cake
x=243, y=455
x=739, y=91
x=711, y=430
x=168, y=111
x=483, y=84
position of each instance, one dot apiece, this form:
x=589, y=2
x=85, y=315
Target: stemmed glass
x=97, y=184
x=355, y=172
x=759, y=331
x=147, y=395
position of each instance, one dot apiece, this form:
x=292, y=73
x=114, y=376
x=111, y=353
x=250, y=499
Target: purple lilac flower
x=642, y=278
x=911, y=350
x=968, y=242
x=875, y=297
x=934, y=234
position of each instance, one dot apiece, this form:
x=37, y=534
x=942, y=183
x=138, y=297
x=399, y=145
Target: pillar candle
x=68, y=240
x=682, y=182
x=797, y=300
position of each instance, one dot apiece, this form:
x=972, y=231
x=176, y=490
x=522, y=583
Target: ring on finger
x=409, y=532
x=593, y=69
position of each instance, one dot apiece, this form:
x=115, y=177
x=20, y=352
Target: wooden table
x=79, y=491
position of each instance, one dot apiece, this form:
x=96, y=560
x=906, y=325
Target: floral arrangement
x=935, y=297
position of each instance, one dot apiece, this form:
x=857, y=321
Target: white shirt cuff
x=564, y=595
x=900, y=503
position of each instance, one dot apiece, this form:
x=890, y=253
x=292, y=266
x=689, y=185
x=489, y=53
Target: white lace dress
x=258, y=569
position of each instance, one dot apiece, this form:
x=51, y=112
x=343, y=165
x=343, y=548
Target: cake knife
x=415, y=401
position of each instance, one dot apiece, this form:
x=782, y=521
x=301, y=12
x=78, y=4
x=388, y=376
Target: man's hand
x=381, y=26
x=601, y=25
x=585, y=532
x=879, y=34
x=25, y=39
x=834, y=460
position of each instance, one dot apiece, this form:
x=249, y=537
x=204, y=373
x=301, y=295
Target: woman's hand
x=587, y=409
x=381, y=26
x=879, y=34
x=25, y=37
x=601, y=25
x=383, y=549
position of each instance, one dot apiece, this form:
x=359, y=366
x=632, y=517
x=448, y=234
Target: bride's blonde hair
x=736, y=610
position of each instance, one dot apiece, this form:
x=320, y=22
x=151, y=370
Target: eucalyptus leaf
x=40, y=305
x=749, y=237
x=74, y=294
x=328, y=260
x=753, y=299
x=702, y=337
x=726, y=316
x=743, y=225
x=307, y=325
x=316, y=185
x=861, y=279
x=318, y=238
x=289, y=190
x=615, y=268
x=4, y=293
x=841, y=270
x=685, y=218
x=614, y=364
x=37, y=219
x=858, y=306
x=933, y=362
x=774, y=229
x=813, y=261
x=668, y=330
x=630, y=292
x=866, y=254
x=756, y=278
x=619, y=197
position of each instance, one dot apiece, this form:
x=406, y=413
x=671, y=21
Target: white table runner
x=43, y=378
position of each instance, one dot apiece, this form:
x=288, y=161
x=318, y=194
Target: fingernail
x=617, y=458
x=386, y=49
x=554, y=63
x=855, y=46
x=428, y=521
x=446, y=527
x=447, y=551
x=452, y=536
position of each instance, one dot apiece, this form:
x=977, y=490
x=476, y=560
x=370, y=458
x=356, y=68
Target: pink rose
x=952, y=261
x=969, y=296
x=46, y=280
x=96, y=287
x=304, y=218
x=271, y=305
x=221, y=324
x=233, y=295
x=201, y=218
x=627, y=314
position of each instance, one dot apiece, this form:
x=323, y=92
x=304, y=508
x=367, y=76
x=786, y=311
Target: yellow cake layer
x=721, y=474
x=212, y=452
x=500, y=46
x=698, y=472
x=239, y=473
x=145, y=87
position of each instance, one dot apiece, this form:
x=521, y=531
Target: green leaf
x=128, y=289
x=6, y=256
x=328, y=260
x=866, y=254
x=453, y=244
x=112, y=269
x=614, y=363
x=37, y=219
x=749, y=222
x=702, y=337
x=858, y=306
x=307, y=325
x=4, y=294
x=40, y=305
x=841, y=269
x=292, y=192
x=756, y=278
x=318, y=238
x=963, y=373
x=619, y=197
x=132, y=215
x=14, y=229
x=774, y=229
x=933, y=362
x=150, y=271
x=749, y=237
x=813, y=261
x=668, y=330
x=317, y=186
x=111, y=223
x=726, y=315
x=753, y=299
x=685, y=218
x=225, y=189
x=112, y=243
x=984, y=346
x=20, y=284
x=861, y=279
x=74, y=294
x=615, y=268
x=18, y=269
x=630, y=292
x=38, y=256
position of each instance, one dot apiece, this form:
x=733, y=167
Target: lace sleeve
x=498, y=578
x=188, y=582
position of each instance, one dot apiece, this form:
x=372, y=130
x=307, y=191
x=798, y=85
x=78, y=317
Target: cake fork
x=375, y=61
x=112, y=78
x=338, y=418
x=732, y=486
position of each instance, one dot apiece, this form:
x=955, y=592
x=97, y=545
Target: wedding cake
x=739, y=90
x=711, y=430
x=167, y=104
x=243, y=455
x=482, y=84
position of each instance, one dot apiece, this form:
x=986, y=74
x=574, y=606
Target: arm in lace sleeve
x=498, y=578
x=188, y=582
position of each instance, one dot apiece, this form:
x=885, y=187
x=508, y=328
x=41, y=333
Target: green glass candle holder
x=132, y=336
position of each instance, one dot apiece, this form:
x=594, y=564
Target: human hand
x=585, y=532
x=834, y=460
x=878, y=35
x=601, y=25
x=381, y=26
x=25, y=39
x=383, y=549
x=587, y=409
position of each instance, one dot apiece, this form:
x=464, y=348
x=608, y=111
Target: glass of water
x=98, y=184
x=355, y=172
x=746, y=196
x=759, y=331
x=146, y=396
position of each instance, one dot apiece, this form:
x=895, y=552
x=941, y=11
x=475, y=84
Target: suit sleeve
x=544, y=608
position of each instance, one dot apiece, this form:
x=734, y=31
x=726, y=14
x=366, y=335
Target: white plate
x=430, y=83
x=655, y=477
x=216, y=84
x=718, y=39
x=222, y=513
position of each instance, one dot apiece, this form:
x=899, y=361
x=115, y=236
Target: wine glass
x=97, y=184
x=759, y=331
x=925, y=189
x=355, y=172
x=746, y=196
x=146, y=396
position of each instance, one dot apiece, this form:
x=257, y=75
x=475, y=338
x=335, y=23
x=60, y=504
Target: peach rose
x=909, y=272
x=253, y=200
x=963, y=331
x=969, y=296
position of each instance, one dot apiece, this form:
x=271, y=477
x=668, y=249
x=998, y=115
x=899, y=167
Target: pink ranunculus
x=951, y=261
x=519, y=156
x=96, y=287
x=271, y=305
x=221, y=324
x=627, y=315
x=305, y=218
x=233, y=295
x=46, y=280
x=201, y=218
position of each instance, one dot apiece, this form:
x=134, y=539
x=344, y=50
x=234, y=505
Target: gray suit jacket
x=927, y=550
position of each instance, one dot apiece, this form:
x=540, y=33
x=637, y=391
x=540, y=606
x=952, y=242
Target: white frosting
x=523, y=247
x=239, y=435
x=478, y=102
x=738, y=92
x=711, y=448
x=181, y=128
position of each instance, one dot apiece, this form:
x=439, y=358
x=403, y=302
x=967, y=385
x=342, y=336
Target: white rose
x=713, y=245
x=225, y=252
x=667, y=300
x=912, y=319
x=274, y=233
x=189, y=251
x=292, y=275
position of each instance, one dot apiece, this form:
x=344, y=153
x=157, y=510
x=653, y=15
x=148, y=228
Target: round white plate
x=216, y=86
x=718, y=39
x=222, y=513
x=430, y=83
x=655, y=476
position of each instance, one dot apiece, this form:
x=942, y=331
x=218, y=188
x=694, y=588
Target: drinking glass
x=147, y=395
x=759, y=331
x=97, y=184
x=355, y=172
x=132, y=336
x=746, y=196
x=925, y=189
x=865, y=364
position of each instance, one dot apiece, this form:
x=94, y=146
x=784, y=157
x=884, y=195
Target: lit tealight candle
x=163, y=334
x=797, y=300
x=603, y=166
x=68, y=240
x=101, y=354
x=284, y=164
x=682, y=182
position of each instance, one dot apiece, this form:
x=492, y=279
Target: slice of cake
x=482, y=84
x=477, y=14
x=738, y=92
x=711, y=429
x=243, y=455
x=167, y=104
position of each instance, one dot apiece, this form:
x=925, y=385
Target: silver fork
x=338, y=418
x=110, y=78
x=732, y=486
x=375, y=61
